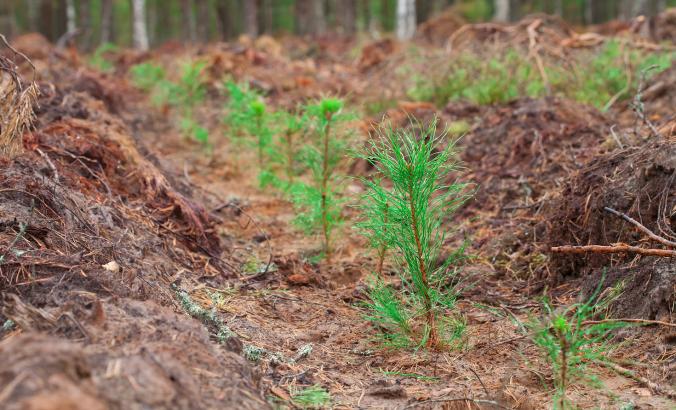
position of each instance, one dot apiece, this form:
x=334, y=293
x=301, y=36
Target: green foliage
x=146, y=75
x=594, y=79
x=238, y=116
x=607, y=72
x=293, y=126
x=247, y=116
x=482, y=81
x=317, y=202
x=151, y=78
x=98, y=59
x=570, y=345
x=191, y=89
x=412, y=175
x=313, y=397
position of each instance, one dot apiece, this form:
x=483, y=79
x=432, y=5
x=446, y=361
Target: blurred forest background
x=148, y=23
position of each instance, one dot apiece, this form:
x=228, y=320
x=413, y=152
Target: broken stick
x=666, y=253
x=642, y=228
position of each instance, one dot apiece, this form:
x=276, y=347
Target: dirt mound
x=94, y=233
x=541, y=28
x=665, y=26
x=518, y=154
x=131, y=354
x=523, y=149
x=375, y=53
x=438, y=29
x=639, y=182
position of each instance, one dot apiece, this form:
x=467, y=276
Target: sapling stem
x=325, y=183
x=429, y=312
x=289, y=156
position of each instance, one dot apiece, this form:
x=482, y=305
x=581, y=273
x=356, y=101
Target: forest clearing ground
x=296, y=305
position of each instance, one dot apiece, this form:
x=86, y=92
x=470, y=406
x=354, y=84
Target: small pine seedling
x=313, y=397
x=318, y=201
x=569, y=344
x=151, y=78
x=293, y=125
x=407, y=218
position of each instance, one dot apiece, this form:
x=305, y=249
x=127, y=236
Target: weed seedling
x=313, y=397
x=318, y=202
x=407, y=217
x=569, y=344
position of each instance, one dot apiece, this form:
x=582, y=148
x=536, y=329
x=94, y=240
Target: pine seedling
x=238, y=114
x=293, y=125
x=318, y=201
x=408, y=219
x=570, y=343
x=151, y=78
x=313, y=397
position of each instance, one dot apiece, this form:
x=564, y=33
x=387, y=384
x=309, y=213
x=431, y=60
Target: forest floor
x=131, y=228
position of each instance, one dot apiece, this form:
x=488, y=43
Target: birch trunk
x=405, y=19
x=71, y=16
x=106, y=21
x=140, y=29
x=251, y=17
x=501, y=10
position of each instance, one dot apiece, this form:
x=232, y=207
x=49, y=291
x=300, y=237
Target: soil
x=110, y=219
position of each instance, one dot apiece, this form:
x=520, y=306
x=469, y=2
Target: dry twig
x=620, y=248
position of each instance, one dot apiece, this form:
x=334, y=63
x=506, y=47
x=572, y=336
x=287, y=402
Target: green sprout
x=98, y=59
x=407, y=217
x=313, y=397
x=570, y=343
x=151, y=78
x=318, y=201
x=247, y=116
x=293, y=125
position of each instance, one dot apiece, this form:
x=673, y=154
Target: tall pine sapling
x=318, y=202
x=408, y=218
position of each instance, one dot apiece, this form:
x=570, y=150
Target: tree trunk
x=588, y=12
x=106, y=21
x=405, y=19
x=222, y=21
x=310, y=17
x=71, y=16
x=204, y=19
x=188, y=22
x=6, y=18
x=348, y=17
x=33, y=14
x=501, y=11
x=251, y=17
x=268, y=13
x=318, y=17
x=85, y=24
x=139, y=25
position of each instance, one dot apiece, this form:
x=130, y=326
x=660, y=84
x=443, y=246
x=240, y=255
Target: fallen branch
x=642, y=228
x=666, y=253
x=643, y=321
x=665, y=391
